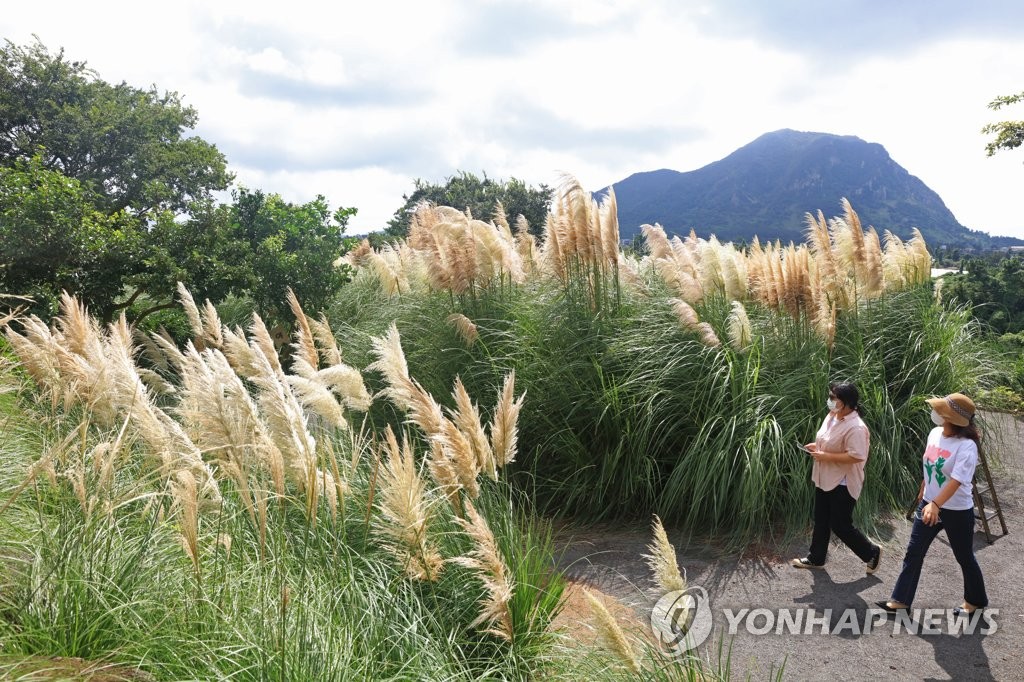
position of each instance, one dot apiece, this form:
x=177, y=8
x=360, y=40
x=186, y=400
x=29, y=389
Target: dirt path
x=609, y=559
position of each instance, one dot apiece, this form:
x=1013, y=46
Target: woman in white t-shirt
x=945, y=501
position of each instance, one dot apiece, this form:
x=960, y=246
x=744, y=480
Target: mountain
x=767, y=187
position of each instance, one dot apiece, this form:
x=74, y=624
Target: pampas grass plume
x=661, y=559
x=504, y=425
x=685, y=313
x=406, y=511
x=467, y=418
x=611, y=635
x=740, y=334
x=465, y=327
x=707, y=335
x=487, y=561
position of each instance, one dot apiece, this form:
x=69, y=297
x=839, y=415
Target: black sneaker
x=805, y=563
x=872, y=566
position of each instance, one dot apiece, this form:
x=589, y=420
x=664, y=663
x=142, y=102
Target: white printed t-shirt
x=946, y=458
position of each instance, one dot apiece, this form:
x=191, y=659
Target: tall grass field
x=372, y=500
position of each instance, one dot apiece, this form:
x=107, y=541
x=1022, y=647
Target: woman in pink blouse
x=840, y=453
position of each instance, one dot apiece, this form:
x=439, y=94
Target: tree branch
x=130, y=301
x=157, y=308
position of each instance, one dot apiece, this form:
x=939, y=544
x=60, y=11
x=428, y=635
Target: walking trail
x=609, y=560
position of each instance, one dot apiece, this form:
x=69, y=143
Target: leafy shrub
x=1001, y=398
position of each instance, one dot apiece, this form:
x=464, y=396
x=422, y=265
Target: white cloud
x=355, y=100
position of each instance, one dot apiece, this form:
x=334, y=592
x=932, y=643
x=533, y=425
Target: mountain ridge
x=767, y=187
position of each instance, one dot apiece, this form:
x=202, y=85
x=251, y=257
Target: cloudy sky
x=354, y=100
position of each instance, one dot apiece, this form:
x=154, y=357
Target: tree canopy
x=290, y=245
x=126, y=146
x=480, y=195
x=52, y=237
x=995, y=289
x=103, y=195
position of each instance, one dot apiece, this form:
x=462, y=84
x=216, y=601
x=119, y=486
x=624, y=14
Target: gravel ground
x=610, y=560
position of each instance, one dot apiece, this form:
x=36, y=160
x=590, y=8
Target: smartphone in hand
x=804, y=448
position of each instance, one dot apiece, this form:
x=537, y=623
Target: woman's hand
x=930, y=514
x=812, y=447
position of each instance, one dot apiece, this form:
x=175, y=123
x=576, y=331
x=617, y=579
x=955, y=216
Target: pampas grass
x=661, y=558
x=504, y=427
x=707, y=335
x=457, y=448
x=317, y=398
x=404, y=391
x=490, y=567
x=406, y=512
x=281, y=410
x=843, y=264
x=740, y=333
x=460, y=446
x=444, y=474
x=205, y=324
x=305, y=344
x=685, y=313
x=464, y=326
x=317, y=576
x=466, y=418
x=79, y=363
x=611, y=635
x=186, y=497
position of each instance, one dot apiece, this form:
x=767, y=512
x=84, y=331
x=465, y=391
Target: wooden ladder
x=986, y=487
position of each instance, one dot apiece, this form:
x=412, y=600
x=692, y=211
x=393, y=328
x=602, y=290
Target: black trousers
x=833, y=513
x=959, y=526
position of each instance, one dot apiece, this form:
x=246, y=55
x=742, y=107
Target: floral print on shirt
x=934, y=459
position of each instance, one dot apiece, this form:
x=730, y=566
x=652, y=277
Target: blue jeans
x=959, y=526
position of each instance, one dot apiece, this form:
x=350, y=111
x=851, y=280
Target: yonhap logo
x=681, y=619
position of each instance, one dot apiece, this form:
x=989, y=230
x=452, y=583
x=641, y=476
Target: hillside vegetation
x=765, y=188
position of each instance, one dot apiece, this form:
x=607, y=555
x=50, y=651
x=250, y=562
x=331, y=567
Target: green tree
x=995, y=290
x=94, y=184
x=258, y=246
x=202, y=251
x=290, y=245
x=103, y=195
x=480, y=195
x=125, y=145
x=52, y=238
x=1008, y=134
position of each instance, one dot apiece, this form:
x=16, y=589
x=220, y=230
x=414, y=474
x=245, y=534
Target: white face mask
x=832, y=404
x=937, y=418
